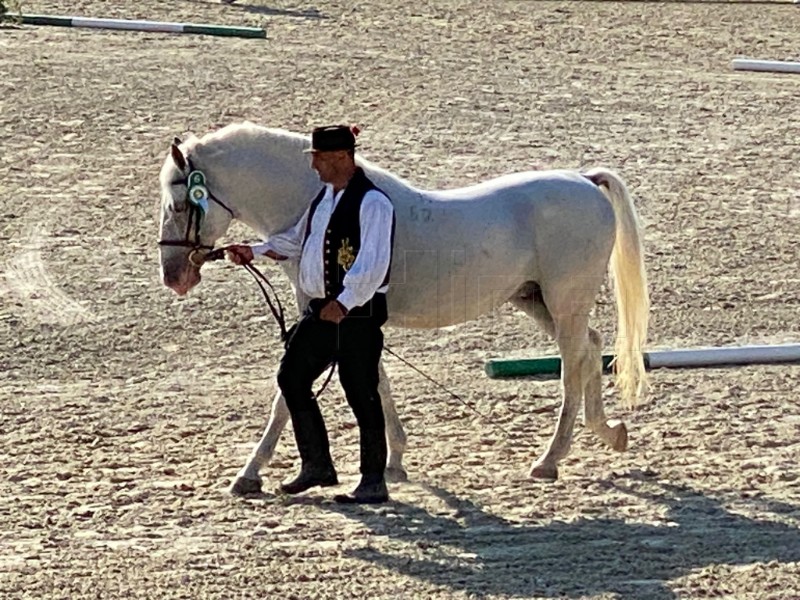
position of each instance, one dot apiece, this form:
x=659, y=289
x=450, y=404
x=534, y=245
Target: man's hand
x=333, y=311
x=239, y=254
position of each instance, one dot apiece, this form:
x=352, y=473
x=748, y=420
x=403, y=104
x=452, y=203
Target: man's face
x=328, y=164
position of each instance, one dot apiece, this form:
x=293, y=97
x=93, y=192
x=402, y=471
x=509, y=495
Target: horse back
x=458, y=251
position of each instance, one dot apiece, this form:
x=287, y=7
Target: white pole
x=771, y=66
x=132, y=25
x=138, y=25
x=741, y=355
x=658, y=359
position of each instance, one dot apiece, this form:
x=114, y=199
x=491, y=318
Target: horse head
x=259, y=176
x=192, y=217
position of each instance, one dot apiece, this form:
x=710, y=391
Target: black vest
x=343, y=235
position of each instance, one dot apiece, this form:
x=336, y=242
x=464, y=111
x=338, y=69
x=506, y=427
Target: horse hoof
x=544, y=471
x=244, y=486
x=396, y=474
x=620, y=436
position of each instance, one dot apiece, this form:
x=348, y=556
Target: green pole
x=546, y=365
x=246, y=32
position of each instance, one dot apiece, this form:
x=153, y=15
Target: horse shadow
x=483, y=555
x=304, y=13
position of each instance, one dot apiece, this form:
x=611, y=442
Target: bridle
x=197, y=196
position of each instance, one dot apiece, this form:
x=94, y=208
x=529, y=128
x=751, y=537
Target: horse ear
x=177, y=155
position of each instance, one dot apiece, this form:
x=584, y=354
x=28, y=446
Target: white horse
x=542, y=240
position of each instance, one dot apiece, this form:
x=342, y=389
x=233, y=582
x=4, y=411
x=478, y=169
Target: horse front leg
x=395, y=435
x=248, y=480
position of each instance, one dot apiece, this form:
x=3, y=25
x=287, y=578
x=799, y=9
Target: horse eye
x=179, y=202
x=180, y=207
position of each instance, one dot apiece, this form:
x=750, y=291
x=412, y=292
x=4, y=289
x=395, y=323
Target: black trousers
x=355, y=344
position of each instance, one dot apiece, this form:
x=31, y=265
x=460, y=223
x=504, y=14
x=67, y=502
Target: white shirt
x=365, y=277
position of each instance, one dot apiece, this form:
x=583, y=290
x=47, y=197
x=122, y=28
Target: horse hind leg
x=529, y=298
x=613, y=433
x=572, y=338
x=570, y=332
x=395, y=435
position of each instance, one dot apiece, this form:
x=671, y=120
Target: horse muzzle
x=180, y=278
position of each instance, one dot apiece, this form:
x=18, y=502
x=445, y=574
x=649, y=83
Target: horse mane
x=246, y=136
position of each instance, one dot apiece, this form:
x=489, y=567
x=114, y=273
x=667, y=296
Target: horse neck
x=267, y=182
x=274, y=198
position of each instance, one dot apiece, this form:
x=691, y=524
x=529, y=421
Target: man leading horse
x=344, y=246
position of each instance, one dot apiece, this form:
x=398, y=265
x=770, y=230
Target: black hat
x=333, y=137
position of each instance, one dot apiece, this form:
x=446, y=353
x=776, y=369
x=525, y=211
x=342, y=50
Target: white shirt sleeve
x=288, y=243
x=368, y=271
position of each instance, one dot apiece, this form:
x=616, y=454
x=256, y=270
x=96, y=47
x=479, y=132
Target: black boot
x=312, y=443
x=310, y=477
x=372, y=488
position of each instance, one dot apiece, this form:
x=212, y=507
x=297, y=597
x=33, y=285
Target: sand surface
x=126, y=411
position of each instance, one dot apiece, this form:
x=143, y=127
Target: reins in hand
x=276, y=308
x=266, y=287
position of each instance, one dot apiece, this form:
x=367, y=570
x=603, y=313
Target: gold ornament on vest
x=346, y=257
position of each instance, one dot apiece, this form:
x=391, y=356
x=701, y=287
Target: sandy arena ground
x=126, y=411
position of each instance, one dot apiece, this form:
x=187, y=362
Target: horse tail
x=630, y=288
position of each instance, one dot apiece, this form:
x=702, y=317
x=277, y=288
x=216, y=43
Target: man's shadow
x=483, y=554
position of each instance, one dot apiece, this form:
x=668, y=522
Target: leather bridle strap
x=211, y=196
x=266, y=287
x=195, y=216
x=276, y=308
